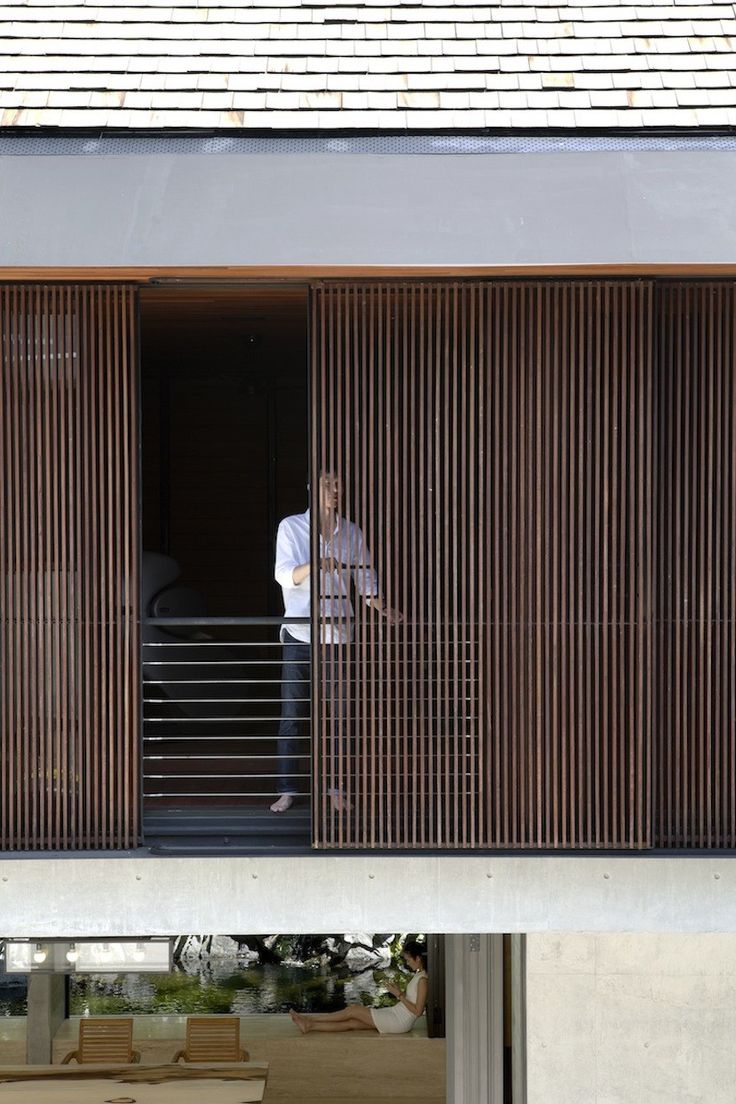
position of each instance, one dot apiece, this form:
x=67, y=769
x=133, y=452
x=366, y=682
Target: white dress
x=398, y=1019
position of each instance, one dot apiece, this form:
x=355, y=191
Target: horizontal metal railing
x=212, y=700
x=213, y=691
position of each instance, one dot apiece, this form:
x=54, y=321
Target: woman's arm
x=415, y=1007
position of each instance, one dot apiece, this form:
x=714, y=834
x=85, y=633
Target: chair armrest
x=179, y=1055
x=68, y=1057
x=244, y=1056
x=135, y=1056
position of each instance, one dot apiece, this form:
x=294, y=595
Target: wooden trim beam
x=305, y=273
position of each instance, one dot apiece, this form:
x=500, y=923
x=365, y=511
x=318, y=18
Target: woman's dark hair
x=417, y=950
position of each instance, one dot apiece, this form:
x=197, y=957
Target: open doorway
x=224, y=398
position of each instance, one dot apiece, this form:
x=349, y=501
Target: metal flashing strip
x=50, y=144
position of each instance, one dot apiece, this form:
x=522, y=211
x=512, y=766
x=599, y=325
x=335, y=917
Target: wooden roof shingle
x=439, y=64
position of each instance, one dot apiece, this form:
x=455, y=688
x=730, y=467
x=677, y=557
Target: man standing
x=342, y=551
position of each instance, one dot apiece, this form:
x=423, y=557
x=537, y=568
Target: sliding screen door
x=494, y=445
x=68, y=568
x=696, y=599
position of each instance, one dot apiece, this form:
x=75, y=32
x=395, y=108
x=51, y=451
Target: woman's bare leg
x=352, y=1018
x=338, y=1025
x=352, y=1012
x=329, y=1017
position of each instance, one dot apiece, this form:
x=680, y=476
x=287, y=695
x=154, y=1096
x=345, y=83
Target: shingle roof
x=432, y=65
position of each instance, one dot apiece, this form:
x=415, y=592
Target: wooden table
x=213, y=1083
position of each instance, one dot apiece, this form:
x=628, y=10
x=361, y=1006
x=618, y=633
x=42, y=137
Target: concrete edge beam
x=78, y=897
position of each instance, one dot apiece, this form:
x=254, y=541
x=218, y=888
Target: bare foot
x=284, y=802
x=300, y=1023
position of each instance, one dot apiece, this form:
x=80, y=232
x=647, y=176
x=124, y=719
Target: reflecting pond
x=12, y=1000
x=205, y=987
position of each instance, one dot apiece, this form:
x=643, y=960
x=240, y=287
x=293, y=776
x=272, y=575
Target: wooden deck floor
x=350, y=1068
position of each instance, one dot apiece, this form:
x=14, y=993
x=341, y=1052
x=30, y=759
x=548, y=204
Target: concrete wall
x=631, y=1019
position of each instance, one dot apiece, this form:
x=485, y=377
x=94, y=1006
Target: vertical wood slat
x=513, y=708
x=69, y=618
x=696, y=566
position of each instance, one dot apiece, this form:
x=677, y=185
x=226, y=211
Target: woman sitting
x=395, y=1020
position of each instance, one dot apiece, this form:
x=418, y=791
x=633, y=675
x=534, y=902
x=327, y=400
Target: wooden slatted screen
x=696, y=599
x=494, y=444
x=69, y=675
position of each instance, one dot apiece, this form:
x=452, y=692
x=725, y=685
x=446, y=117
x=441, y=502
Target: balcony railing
x=402, y=747
x=212, y=702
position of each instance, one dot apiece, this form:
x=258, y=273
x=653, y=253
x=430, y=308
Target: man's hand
x=301, y=571
x=393, y=617
x=329, y=563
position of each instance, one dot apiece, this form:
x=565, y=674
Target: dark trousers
x=296, y=708
x=296, y=693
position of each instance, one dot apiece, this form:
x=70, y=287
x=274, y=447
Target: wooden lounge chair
x=212, y=1039
x=104, y=1041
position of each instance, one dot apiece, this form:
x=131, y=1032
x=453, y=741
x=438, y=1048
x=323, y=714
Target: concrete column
x=518, y=1018
x=46, y=1013
x=474, y=1015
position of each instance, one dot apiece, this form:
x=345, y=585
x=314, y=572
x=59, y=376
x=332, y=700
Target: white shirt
x=347, y=546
